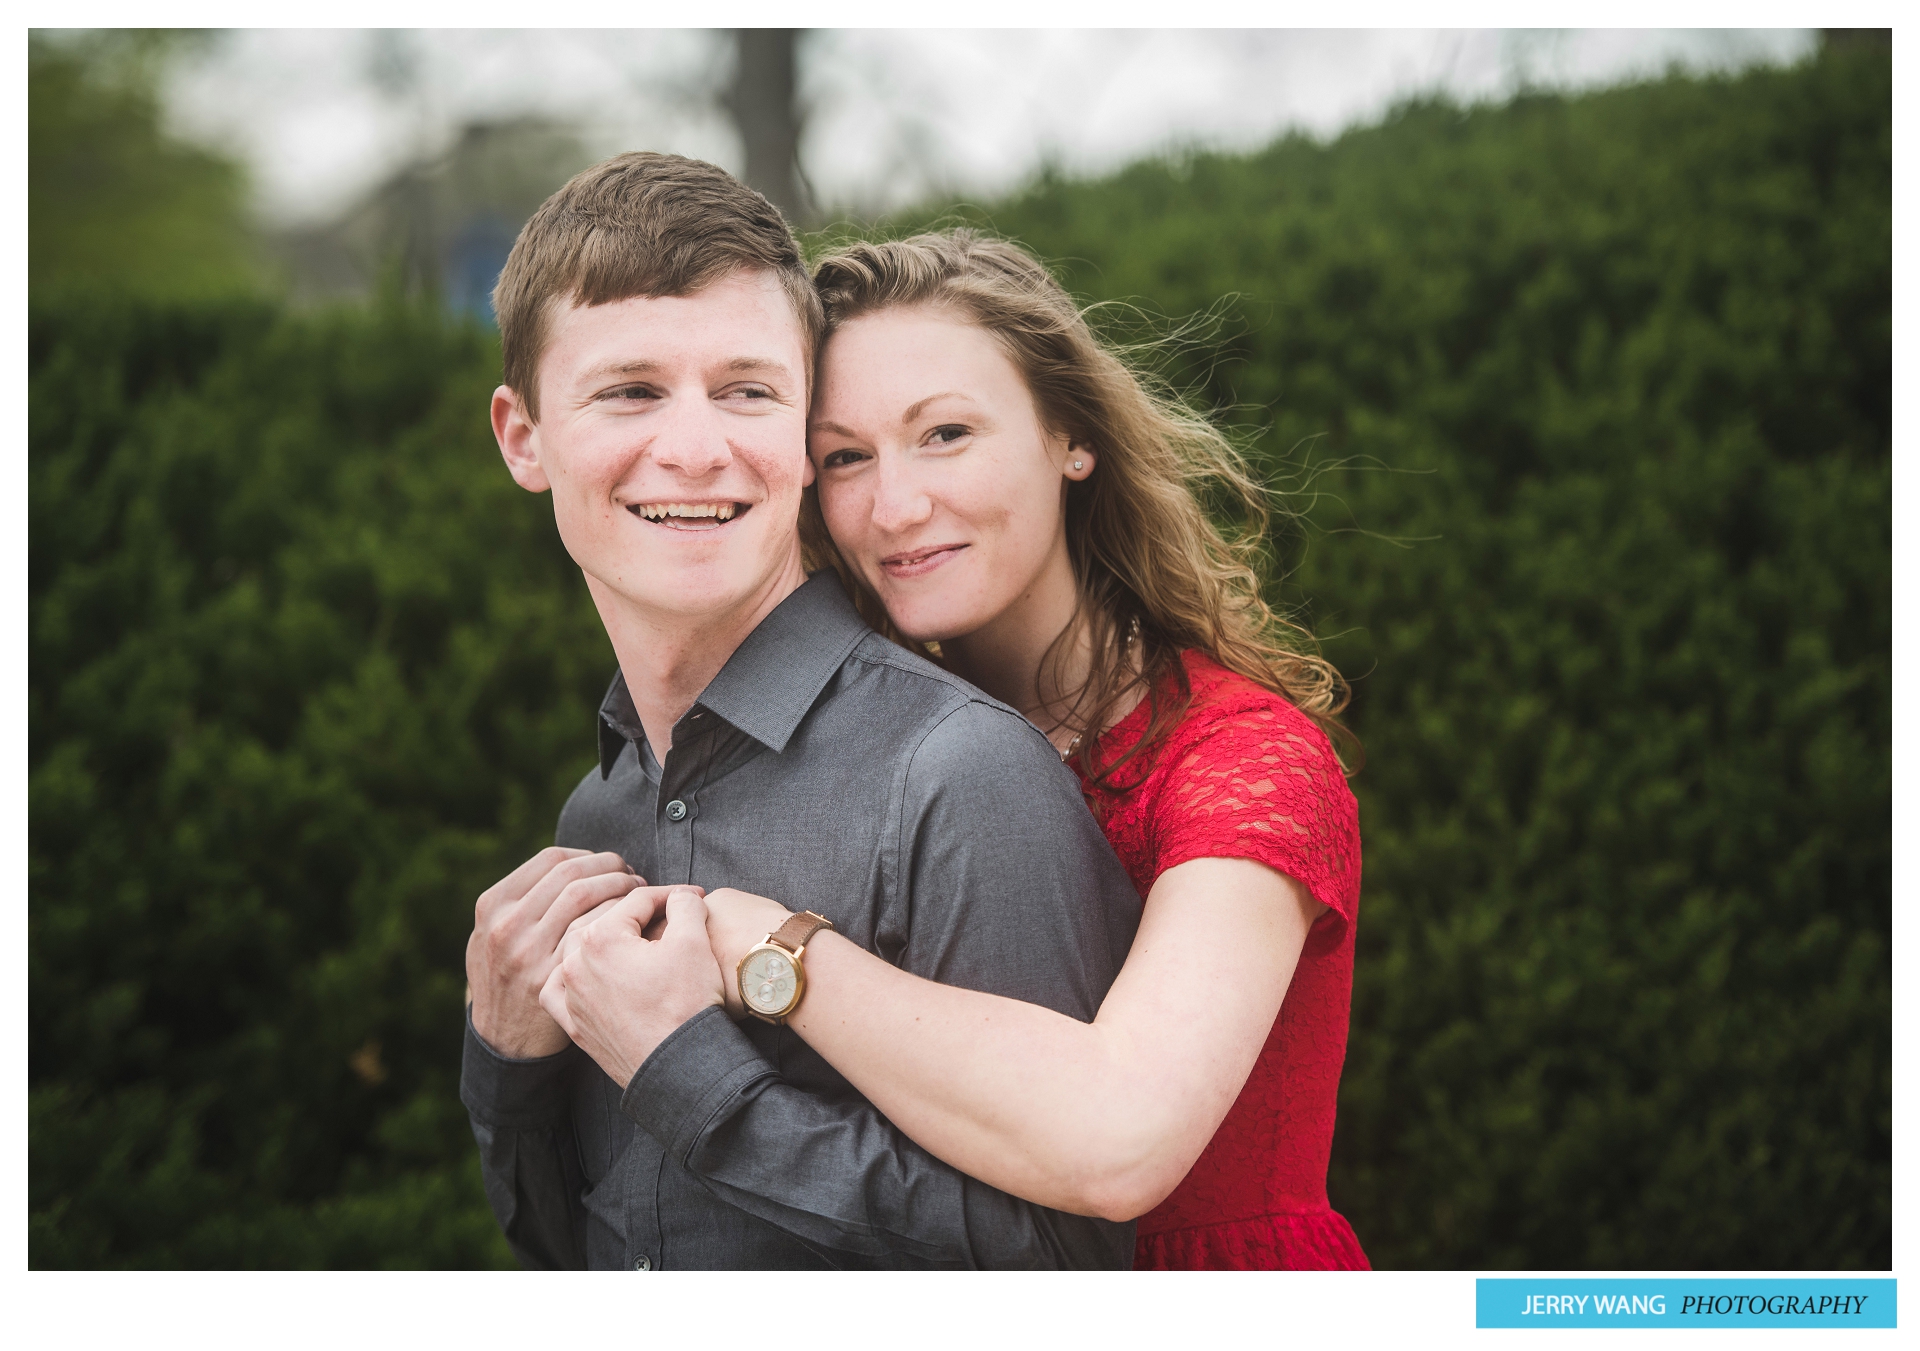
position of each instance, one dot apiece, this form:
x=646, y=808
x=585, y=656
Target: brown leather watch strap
x=799, y=930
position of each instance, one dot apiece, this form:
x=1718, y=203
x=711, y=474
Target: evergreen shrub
x=308, y=673
x=1589, y=398
x=1590, y=401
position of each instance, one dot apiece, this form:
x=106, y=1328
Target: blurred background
x=1569, y=350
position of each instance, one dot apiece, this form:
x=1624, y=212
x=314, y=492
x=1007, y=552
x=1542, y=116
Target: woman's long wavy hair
x=1155, y=575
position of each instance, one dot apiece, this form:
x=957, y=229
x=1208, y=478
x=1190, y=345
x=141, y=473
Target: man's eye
x=950, y=432
x=634, y=392
x=840, y=458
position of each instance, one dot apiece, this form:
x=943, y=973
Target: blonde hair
x=1154, y=574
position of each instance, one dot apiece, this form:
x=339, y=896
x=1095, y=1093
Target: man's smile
x=690, y=515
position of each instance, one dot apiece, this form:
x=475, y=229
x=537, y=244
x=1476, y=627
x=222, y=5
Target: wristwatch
x=771, y=975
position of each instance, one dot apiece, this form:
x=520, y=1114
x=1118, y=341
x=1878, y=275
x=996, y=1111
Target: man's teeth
x=655, y=511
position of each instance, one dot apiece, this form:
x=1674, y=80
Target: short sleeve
x=1255, y=778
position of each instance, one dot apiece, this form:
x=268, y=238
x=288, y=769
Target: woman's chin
x=920, y=627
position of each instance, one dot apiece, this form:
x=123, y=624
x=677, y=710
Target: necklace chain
x=1133, y=636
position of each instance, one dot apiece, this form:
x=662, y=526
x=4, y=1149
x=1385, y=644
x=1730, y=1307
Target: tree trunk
x=764, y=107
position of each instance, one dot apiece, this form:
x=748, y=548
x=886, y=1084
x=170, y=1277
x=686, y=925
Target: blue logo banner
x=1549, y=1302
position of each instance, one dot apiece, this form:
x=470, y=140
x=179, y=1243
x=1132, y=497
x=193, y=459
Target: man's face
x=672, y=434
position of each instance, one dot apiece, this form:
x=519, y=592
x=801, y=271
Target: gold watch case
x=771, y=980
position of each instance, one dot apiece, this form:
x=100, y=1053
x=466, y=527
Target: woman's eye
x=839, y=459
x=947, y=433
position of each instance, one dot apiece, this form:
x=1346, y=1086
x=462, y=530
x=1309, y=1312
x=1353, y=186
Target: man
x=658, y=329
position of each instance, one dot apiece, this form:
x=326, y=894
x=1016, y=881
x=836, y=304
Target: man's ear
x=515, y=432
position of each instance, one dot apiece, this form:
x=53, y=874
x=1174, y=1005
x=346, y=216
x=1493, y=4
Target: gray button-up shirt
x=826, y=767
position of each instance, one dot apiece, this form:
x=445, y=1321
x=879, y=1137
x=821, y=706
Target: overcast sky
x=894, y=115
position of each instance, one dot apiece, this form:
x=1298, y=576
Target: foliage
x=308, y=673
x=1591, y=396
x=1590, y=402
x=114, y=203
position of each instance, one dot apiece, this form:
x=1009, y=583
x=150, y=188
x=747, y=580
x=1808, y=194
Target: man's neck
x=670, y=659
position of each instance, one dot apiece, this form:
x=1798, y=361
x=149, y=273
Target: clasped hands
x=576, y=946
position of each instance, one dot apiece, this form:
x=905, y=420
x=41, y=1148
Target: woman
x=1006, y=494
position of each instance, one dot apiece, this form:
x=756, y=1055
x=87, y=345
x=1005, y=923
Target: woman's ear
x=1079, y=462
x=516, y=433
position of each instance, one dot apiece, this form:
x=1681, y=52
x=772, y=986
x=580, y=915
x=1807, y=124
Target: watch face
x=767, y=981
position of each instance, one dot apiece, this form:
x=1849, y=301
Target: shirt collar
x=772, y=678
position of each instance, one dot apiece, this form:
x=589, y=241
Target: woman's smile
x=920, y=562
x=932, y=454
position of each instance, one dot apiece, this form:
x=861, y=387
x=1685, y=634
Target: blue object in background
x=473, y=262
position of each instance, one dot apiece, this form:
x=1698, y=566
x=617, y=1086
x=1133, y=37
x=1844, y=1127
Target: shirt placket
x=677, y=805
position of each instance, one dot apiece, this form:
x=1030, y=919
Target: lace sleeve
x=1257, y=779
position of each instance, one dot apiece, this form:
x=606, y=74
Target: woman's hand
x=736, y=920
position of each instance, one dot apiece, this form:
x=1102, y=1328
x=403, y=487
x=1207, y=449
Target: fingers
x=686, y=920
x=553, y=998
x=540, y=898
x=574, y=868
x=579, y=899
x=598, y=912
x=656, y=895
x=518, y=882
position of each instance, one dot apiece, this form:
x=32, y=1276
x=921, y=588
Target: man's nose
x=899, y=501
x=693, y=440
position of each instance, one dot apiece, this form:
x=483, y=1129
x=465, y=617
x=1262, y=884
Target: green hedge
x=309, y=672
x=1598, y=392
x=1611, y=377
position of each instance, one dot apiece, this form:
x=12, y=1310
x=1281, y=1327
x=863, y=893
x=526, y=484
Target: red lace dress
x=1247, y=775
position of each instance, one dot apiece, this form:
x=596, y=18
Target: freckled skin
x=938, y=479
x=674, y=399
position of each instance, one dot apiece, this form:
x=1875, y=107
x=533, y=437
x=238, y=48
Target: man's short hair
x=639, y=224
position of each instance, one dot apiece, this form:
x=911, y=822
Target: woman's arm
x=1100, y=1118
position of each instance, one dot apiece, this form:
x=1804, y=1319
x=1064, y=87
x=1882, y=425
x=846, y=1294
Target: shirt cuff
x=511, y=1094
x=698, y=1069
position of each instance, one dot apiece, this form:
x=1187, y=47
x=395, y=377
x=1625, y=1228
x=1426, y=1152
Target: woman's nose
x=899, y=503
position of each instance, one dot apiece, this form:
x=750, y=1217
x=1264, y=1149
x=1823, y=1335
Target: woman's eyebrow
x=920, y=407
x=833, y=427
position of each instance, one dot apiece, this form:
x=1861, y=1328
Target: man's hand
x=517, y=926
x=619, y=994
x=736, y=920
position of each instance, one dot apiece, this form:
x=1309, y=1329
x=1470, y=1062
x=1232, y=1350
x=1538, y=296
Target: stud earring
x=1079, y=464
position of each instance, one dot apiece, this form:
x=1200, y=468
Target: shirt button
x=676, y=810
x=642, y=1264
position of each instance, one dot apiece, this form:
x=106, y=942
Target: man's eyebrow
x=639, y=366
x=647, y=366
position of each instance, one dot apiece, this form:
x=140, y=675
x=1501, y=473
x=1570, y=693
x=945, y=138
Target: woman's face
x=936, y=477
